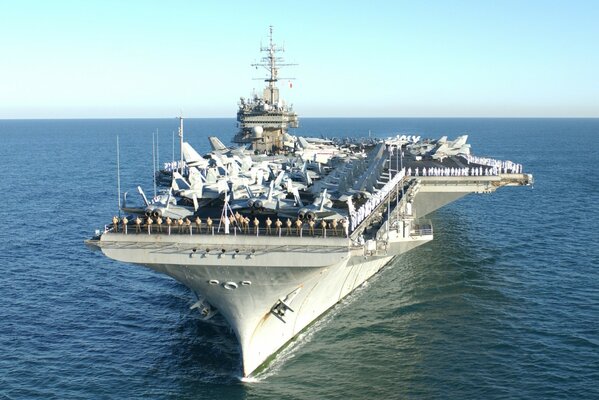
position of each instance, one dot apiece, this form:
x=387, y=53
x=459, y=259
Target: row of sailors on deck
x=447, y=171
x=505, y=167
x=184, y=225
x=175, y=166
x=357, y=216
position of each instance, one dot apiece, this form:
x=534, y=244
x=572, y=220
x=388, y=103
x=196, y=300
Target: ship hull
x=271, y=287
x=266, y=289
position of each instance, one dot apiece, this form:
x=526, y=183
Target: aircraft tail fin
x=249, y=192
x=259, y=177
x=195, y=177
x=303, y=143
x=192, y=158
x=270, y=190
x=216, y=144
x=271, y=173
x=143, y=195
x=459, y=141
x=168, y=198
x=179, y=183
x=279, y=178
x=198, y=189
x=234, y=167
x=195, y=202
x=296, y=195
x=324, y=198
x=211, y=175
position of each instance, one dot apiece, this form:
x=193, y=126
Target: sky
x=392, y=58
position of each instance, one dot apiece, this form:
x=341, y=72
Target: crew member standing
x=209, y=225
x=298, y=226
x=268, y=223
x=256, y=225
x=334, y=226
x=345, y=226
x=323, y=225
x=149, y=223
x=169, y=222
x=125, y=221
x=232, y=221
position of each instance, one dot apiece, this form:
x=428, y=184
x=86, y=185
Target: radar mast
x=271, y=62
x=263, y=121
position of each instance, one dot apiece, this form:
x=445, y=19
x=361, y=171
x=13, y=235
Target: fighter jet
x=269, y=201
x=441, y=148
x=321, y=208
x=320, y=152
x=451, y=148
x=164, y=205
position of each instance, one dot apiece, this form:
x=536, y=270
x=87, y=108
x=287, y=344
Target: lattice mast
x=271, y=62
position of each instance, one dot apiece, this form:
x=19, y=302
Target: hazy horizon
x=301, y=117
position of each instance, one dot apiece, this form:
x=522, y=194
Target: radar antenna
x=271, y=62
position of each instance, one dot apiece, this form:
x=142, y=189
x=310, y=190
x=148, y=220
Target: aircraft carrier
x=273, y=234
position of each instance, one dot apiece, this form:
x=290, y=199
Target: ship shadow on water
x=207, y=349
x=197, y=352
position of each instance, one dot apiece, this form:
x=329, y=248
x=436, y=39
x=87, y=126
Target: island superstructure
x=273, y=235
x=264, y=121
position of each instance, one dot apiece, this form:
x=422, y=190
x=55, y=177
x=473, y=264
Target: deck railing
x=304, y=230
x=422, y=229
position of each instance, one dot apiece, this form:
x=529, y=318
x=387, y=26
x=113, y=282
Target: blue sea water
x=504, y=303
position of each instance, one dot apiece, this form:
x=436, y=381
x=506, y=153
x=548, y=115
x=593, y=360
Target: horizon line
x=307, y=117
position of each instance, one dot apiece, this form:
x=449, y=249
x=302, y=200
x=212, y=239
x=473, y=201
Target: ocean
x=504, y=303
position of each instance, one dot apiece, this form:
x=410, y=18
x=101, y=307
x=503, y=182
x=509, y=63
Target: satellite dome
x=257, y=132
